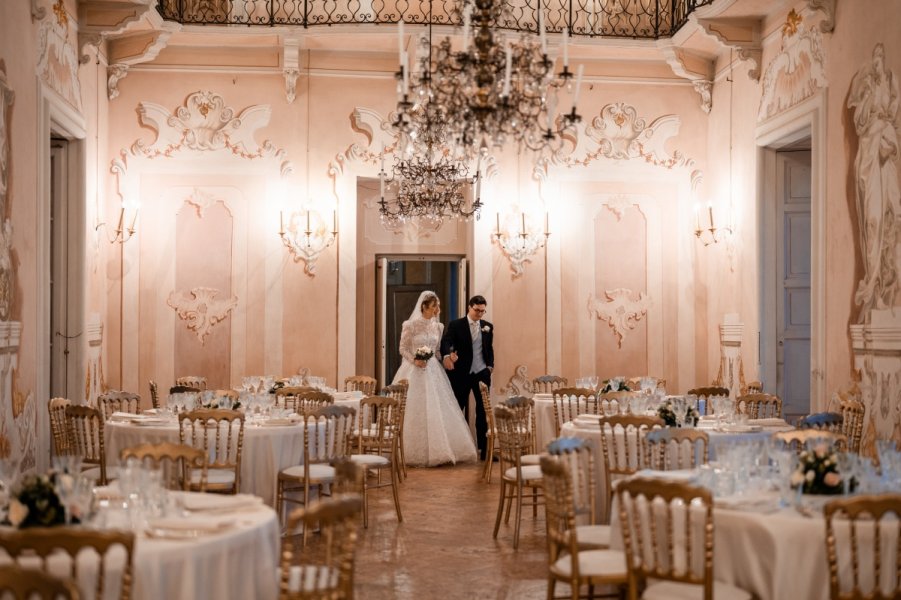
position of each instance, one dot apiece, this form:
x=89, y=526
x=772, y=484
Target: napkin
x=219, y=502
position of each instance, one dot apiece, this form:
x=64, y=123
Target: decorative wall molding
x=291, y=65
x=620, y=311
x=98, y=19
x=114, y=74
x=202, y=200
x=705, y=91
x=619, y=133
x=618, y=204
x=94, y=384
x=693, y=67
x=519, y=384
x=38, y=12
x=17, y=409
x=827, y=25
x=200, y=309
x=795, y=74
x=731, y=372
x=291, y=76
x=57, y=65
x=742, y=35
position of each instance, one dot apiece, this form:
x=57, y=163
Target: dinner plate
x=149, y=422
x=184, y=533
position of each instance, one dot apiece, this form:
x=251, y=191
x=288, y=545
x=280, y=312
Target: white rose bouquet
x=423, y=353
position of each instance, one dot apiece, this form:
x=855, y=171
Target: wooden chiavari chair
x=622, y=446
x=302, y=399
x=579, y=457
x=398, y=391
x=377, y=442
x=514, y=441
x=86, y=439
x=118, y=401
x=27, y=584
x=852, y=425
x=491, y=447
x=182, y=389
x=58, y=428
x=706, y=394
x=546, y=384
x=571, y=402
x=865, y=533
x=662, y=554
x=759, y=406
x=177, y=462
x=616, y=403
x=568, y=561
x=326, y=434
x=797, y=439
x=672, y=448
x=193, y=381
x=219, y=433
x=38, y=544
x=360, y=383
x=154, y=395
x=323, y=571
x=634, y=383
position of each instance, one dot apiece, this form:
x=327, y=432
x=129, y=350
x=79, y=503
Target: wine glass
x=845, y=462
x=593, y=382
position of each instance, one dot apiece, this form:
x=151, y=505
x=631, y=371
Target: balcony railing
x=643, y=19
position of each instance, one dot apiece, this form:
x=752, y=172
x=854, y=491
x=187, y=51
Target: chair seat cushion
x=214, y=477
x=369, y=460
x=671, y=590
x=593, y=563
x=318, y=472
x=529, y=473
x=593, y=536
x=94, y=473
x=530, y=459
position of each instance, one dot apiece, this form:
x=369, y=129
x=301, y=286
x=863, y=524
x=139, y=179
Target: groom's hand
x=449, y=361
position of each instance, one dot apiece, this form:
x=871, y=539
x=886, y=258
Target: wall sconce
x=120, y=234
x=711, y=234
x=519, y=246
x=307, y=243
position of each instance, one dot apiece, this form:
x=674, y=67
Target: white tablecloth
x=544, y=419
x=266, y=451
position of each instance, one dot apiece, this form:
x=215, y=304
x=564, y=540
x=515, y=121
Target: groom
x=469, y=359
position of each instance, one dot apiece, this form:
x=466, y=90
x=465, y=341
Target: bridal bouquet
x=423, y=353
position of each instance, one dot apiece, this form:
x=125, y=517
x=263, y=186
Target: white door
x=793, y=281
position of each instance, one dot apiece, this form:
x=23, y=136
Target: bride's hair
x=427, y=302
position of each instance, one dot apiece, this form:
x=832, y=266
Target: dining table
x=269, y=445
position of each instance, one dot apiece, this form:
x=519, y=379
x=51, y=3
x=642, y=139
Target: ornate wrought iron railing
x=643, y=19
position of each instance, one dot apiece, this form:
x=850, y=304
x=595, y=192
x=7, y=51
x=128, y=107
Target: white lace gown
x=435, y=431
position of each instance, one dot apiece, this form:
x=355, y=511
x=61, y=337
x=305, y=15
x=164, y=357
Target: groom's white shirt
x=478, y=360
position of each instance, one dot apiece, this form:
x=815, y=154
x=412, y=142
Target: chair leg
x=500, y=507
x=518, y=515
x=306, y=503
x=365, y=499
x=279, y=501
x=400, y=518
x=551, y=585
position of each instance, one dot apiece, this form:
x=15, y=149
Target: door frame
x=807, y=119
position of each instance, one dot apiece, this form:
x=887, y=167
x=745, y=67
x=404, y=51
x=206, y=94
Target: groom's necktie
x=473, y=329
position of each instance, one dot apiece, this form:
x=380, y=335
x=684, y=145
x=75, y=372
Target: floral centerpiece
x=817, y=471
x=423, y=353
x=35, y=503
x=665, y=411
x=615, y=384
x=277, y=386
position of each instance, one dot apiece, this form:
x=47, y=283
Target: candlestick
x=541, y=34
x=565, y=47
x=710, y=214
x=467, y=12
x=498, y=217
x=334, y=221
x=508, y=69
x=281, y=222
x=547, y=229
x=400, y=40
x=406, y=73
x=579, y=72
x=523, y=222
x=478, y=185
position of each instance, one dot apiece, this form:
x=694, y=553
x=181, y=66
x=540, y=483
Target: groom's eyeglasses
x=481, y=311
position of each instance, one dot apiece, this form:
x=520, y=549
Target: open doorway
x=401, y=279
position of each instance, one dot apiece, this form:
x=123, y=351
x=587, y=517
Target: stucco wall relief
x=620, y=311
x=57, y=59
x=796, y=73
x=200, y=309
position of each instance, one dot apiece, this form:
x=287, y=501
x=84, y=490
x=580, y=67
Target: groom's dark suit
x=458, y=338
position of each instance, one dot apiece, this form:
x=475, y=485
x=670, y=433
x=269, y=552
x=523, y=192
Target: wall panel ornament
x=200, y=309
x=877, y=360
x=619, y=133
x=57, y=64
x=731, y=373
x=519, y=384
x=795, y=74
x=621, y=312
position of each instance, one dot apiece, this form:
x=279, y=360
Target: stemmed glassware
x=593, y=382
x=680, y=409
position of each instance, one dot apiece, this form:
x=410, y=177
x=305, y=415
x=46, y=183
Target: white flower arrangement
x=423, y=353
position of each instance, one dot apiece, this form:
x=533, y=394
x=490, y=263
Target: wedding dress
x=435, y=431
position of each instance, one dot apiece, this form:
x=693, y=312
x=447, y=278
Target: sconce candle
x=710, y=214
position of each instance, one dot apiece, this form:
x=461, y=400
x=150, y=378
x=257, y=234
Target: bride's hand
x=419, y=363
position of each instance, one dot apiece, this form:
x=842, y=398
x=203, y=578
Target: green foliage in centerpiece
x=615, y=384
x=818, y=472
x=34, y=503
x=665, y=411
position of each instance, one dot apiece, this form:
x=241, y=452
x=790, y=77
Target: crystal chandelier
x=491, y=91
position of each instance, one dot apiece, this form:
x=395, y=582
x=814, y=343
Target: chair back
x=398, y=391
x=865, y=533
x=578, y=454
x=798, y=439
x=525, y=407
x=176, y=461
x=546, y=384
x=823, y=421
x=154, y=395
x=759, y=406
x=676, y=448
x=378, y=425
x=570, y=402
x=513, y=436
x=302, y=399
x=182, y=389
x=616, y=403
x=634, y=383
x=106, y=568
x=28, y=584
x=486, y=404
x=360, y=383
x=667, y=532
x=219, y=433
x=118, y=401
x=327, y=434
x=707, y=393
x=559, y=508
x=193, y=381
x=852, y=422
x=321, y=571
x=58, y=428
x=85, y=428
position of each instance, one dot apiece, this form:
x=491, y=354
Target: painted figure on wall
x=874, y=100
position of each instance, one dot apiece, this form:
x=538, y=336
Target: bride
x=434, y=429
